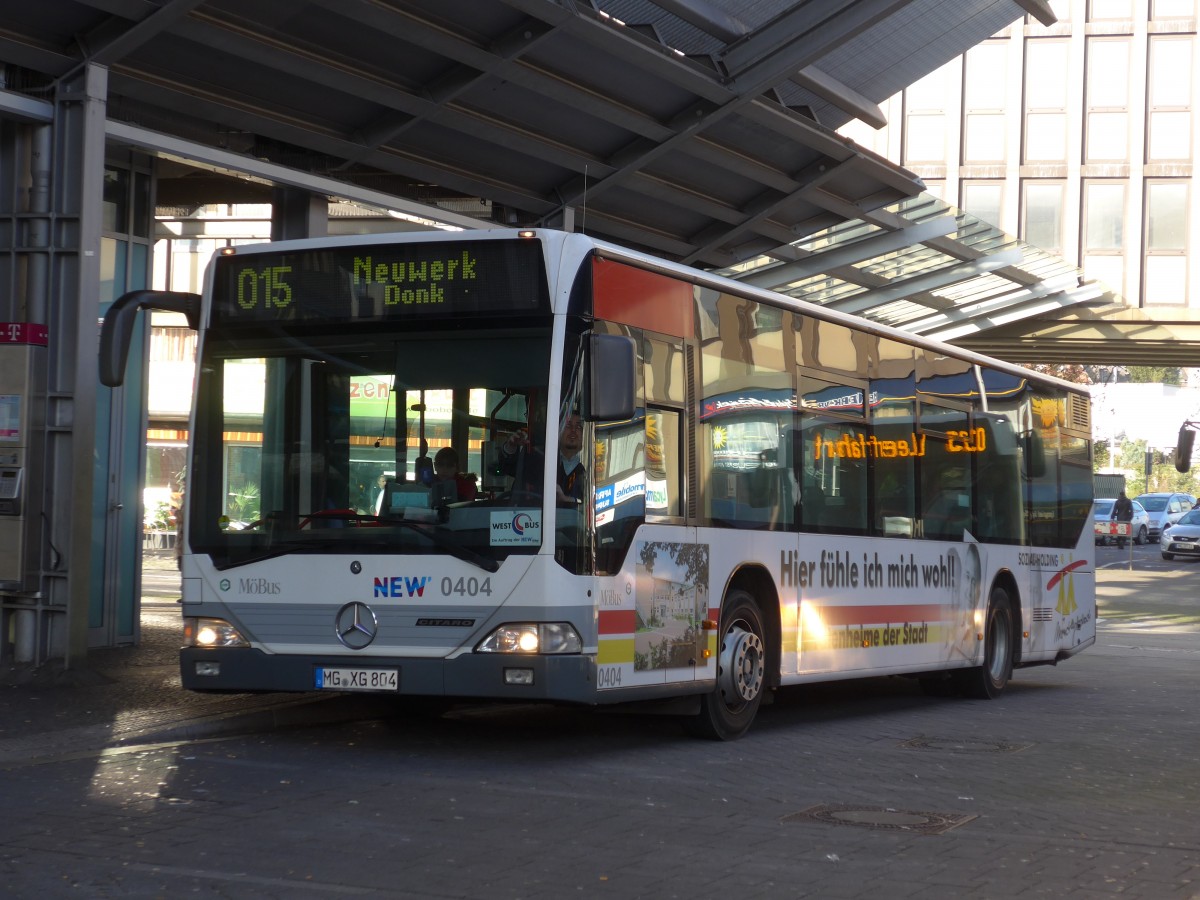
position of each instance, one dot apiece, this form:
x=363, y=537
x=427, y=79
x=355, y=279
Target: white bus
x=774, y=494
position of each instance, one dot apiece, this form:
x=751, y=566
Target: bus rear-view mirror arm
x=1183, y=446
x=116, y=333
x=612, y=378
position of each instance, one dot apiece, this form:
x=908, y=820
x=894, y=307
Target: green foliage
x=1131, y=459
x=159, y=518
x=244, y=505
x=1155, y=375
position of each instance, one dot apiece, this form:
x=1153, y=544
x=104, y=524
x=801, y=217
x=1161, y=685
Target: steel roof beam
x=226, y=162
x=800, y=36
x=819, y=261
x=828, y=88
x=928, y=281
x=22, y=108
x=708, y=18
x=115, y=39
x=1039, y=9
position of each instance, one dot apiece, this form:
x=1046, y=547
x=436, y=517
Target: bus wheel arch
x=1008, y=582
x=1000, y=646
x=747, y=657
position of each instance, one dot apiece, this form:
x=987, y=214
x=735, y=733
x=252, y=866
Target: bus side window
x=945, y=472
x=832, y=473
x=894, y=475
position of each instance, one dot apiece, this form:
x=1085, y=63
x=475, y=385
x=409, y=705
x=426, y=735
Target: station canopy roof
x=697, y=130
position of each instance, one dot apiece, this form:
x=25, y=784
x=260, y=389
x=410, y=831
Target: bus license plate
x=358, y=679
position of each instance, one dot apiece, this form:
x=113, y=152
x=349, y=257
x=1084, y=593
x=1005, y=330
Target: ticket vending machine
x=22, y=439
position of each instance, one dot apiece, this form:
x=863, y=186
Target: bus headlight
x=205, y=633
x=532, y=638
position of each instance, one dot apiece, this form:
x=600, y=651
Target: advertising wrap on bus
x=845, y=606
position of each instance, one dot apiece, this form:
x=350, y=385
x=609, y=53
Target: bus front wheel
x=727, y=712
x=989, y=680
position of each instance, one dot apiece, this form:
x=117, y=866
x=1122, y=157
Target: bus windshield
x=325, y=442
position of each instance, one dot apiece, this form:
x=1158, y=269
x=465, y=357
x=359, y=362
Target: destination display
x=381, y=282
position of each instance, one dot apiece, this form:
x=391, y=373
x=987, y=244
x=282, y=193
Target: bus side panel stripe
x=615, y=650
x=617, y=621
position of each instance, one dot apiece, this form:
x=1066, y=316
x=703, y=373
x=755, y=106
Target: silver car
x=1182, y=538
x=1102, y=517
x=1165, y=509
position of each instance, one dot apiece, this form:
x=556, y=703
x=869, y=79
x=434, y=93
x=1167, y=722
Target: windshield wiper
x=282, y=548
x=453, y=547
x=360, y=538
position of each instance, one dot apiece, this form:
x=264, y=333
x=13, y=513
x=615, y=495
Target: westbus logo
x=1064, y=579
x=400, y=586
x=522, y=528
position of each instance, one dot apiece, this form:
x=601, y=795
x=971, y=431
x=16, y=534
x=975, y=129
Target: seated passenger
x=445, y=469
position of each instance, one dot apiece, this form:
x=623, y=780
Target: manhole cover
x=957, y=745
x=881, y=818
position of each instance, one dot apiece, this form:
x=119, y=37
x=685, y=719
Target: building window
x=1104, y=232
x=1170, y=98
x=984, y=200
x=1042, y=215
x=1107, y=100
x=1045, y=101
x=1111, y=9
x=1166, y=243
x=925, y=119
x=1172, y=9
x=984, y=87
x=1061, y=10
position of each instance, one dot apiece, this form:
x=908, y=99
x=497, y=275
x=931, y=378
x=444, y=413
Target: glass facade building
x=1079, y=138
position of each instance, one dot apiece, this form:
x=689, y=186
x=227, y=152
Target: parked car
x=1182, y=538
x=1102, y=516
x=1165, y=509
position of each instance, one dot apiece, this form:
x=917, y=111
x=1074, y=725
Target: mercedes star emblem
x=355, y=625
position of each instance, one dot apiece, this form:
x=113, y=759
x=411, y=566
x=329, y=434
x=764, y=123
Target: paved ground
x=1083, y=781
x=132, y=695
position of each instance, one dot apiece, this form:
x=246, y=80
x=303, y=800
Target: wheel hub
x=742, y=666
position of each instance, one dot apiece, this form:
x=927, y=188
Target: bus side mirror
x=116, y=334
x=612, y=378
x=1183, y=448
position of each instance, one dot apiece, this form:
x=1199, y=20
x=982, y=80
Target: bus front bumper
x=568, y=678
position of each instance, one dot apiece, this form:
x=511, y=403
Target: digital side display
x=381, y=282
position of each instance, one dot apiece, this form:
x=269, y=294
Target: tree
x=1155, y=375
x=1072, y=373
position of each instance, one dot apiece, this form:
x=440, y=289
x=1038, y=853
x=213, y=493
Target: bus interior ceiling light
x=532, y=637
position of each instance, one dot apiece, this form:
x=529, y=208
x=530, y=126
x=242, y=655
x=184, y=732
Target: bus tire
x=988, y=681
x=727, y=712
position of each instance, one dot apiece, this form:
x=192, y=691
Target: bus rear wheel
x=988, y=681
x=727, y=712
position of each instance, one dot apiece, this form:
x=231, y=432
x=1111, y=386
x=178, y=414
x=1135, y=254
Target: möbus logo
x=258, y=586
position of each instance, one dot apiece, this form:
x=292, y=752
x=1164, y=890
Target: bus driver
x=570, y=480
